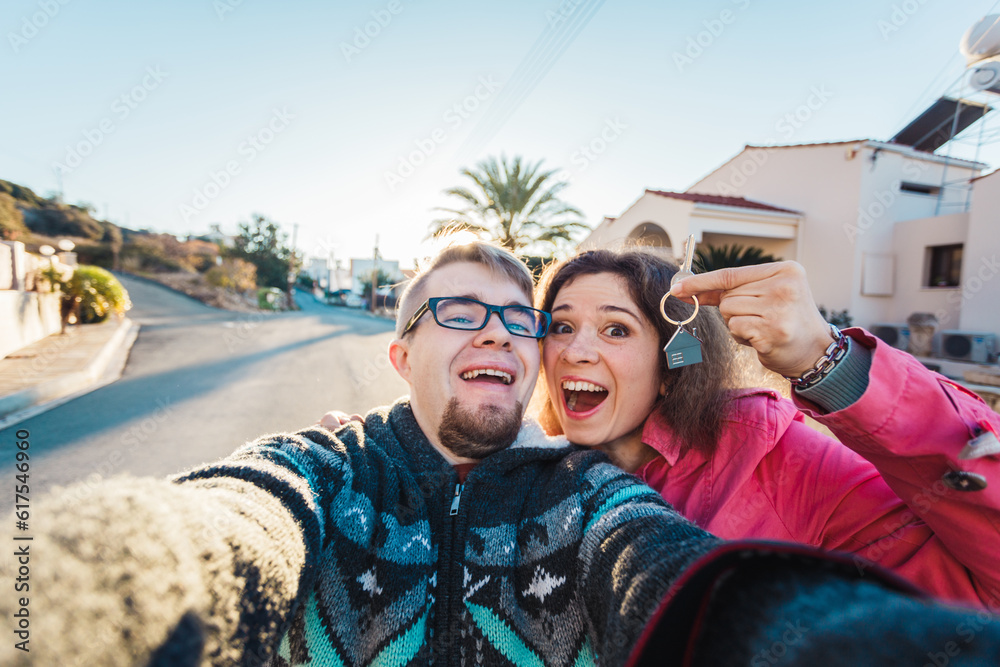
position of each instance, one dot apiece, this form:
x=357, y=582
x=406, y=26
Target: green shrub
x=269, y=298
x=94, y=294
x=839, y=318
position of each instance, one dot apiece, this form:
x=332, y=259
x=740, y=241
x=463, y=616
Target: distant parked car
x=352, y=300
x=338, y=298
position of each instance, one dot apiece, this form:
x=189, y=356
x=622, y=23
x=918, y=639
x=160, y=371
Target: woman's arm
x=909, y=423
x=912, y=424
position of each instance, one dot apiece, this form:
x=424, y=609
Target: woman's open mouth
x=580, y=396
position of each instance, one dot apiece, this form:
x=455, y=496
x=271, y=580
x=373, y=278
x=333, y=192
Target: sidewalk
x=61, y=367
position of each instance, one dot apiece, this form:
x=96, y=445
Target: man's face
x=469, y=414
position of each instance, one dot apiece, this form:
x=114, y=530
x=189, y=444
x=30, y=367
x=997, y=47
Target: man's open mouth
x=488, y=375
x=581, y=396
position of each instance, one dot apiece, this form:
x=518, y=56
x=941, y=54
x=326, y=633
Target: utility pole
x=59, y=179
x=374, y=273
x=291, y=269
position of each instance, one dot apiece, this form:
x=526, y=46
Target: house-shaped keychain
x=683, y=349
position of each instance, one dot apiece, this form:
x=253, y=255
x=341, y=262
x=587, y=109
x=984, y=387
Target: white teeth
x=570, y=385
x=503, y=375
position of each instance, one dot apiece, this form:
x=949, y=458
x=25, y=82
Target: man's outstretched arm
x=203, y=569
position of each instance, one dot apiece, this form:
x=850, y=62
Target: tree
x=262, y=243
x=710, y=258
x=514, y=203
x=61, y=220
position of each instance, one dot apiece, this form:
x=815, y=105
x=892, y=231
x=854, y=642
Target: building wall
x=884, y=230
x=823, y=183
x=851, y=198
x=911, y=295
x=980, y=293
x=670, y=215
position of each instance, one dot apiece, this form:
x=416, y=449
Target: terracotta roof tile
x=737, y=202
x=807, y=145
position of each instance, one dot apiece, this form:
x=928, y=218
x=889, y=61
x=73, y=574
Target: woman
x=741, y=463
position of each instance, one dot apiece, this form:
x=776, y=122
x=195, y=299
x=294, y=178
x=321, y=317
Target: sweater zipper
x=448, y=583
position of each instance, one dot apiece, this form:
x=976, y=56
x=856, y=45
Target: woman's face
x=601, y=360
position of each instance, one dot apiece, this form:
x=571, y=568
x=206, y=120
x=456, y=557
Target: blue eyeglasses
x=459, y=312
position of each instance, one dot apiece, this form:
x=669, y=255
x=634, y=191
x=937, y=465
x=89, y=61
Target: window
x=919, y=189
x=944, y=266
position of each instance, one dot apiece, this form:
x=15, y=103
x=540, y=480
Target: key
x=685, y=271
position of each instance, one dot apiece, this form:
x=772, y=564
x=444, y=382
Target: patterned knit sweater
x=358, y=549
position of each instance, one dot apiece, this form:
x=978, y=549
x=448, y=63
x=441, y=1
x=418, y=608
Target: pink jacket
x=881, y=496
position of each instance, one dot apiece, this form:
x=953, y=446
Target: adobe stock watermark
x=702, y=41
x=876, y=211
x=965, y=633
x=790, y=637
x=46, y=358
x=584, y=155
x=32, y=25
x=740, y=171
x=121, y=108
x=378, y=364
x=900, y=16
x=239, y=332
x=363, y=35
x=453, y=118
x=986, y=271
x=248, y=149
x=565, y=10
x=128, y=443
x=793, y=121
x=223, y=7
x=372, y=371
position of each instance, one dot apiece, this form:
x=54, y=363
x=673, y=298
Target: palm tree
x=710, y=258
x=514, y=203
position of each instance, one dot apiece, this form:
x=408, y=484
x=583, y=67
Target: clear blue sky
x=201, y=77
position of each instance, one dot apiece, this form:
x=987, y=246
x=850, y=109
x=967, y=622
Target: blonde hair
x=499, y=261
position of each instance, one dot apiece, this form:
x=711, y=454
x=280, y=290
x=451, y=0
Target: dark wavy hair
x=696, y=402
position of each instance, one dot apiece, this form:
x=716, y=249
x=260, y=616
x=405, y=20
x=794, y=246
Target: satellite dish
x=986, y=76
x=982, y=40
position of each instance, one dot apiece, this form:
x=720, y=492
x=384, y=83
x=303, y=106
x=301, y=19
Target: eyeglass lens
x=465, y=314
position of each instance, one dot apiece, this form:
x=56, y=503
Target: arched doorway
x=650, y=234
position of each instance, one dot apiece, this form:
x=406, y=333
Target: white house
x=361, y=269
x=883, y=230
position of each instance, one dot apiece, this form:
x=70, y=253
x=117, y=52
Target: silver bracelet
x=825, y=364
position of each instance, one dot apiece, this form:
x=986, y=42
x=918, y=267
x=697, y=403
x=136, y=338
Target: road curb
x=39, y=398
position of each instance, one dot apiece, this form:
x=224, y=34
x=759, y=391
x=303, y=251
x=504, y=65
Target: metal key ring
x=675, y=322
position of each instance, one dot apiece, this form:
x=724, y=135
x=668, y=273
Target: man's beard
x=476, y=435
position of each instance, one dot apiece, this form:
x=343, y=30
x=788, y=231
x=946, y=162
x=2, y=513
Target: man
x=442, y=530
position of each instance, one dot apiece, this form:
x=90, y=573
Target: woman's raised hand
x=334, y=419
x=768, y=307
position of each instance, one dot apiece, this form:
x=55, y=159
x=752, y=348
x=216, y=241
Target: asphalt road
x=200, y=382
